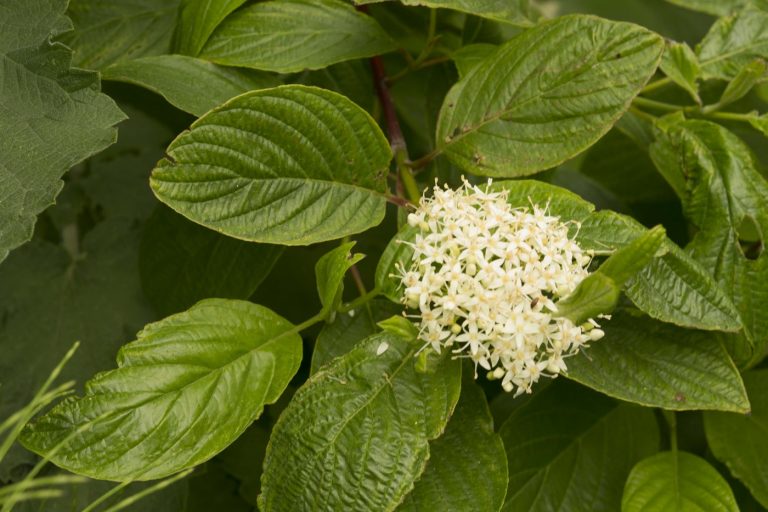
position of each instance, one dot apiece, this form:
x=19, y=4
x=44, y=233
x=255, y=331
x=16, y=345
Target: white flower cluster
x=485, y=278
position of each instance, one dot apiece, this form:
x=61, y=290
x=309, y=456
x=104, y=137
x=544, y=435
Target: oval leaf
x=677, y=481
x=546, y=95
x=184, y=390
x=292, y=35
x=739, y=440
x=292, y=165
x=357, y=433
x=467, y=468
x=567, y=446
x=660, y=365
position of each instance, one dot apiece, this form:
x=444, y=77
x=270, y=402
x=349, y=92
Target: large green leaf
x=197, y=21
x=356, y=435
x=467, y=468
x=52, y=116
x=183, y=391
x=739, y=440
x=107, y=32
x=678, y=481
x=340, y=335
x=292, y=35
x=659, y=365
x=733, y=42
x=571, y=449
x=292, y=165
x=546, y=95
x=182, y=262
x=193, y=85
x=723, y=191
x=516, y=12
x=673, y=288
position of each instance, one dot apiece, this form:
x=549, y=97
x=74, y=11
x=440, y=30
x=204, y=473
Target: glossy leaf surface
x=293, y=165
x=183, y=391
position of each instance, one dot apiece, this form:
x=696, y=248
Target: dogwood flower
x=484, y=281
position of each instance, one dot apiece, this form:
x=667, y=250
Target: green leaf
x=469, y=56
x=546, y=95
x=733, y=42
x=345, y=331
x=659, y=365
x=682, y=66
x=110, y=32
x=599, y=292
x=193, y=85
x=467, y=468
x=516, y=12
x=713, y=7
x=292, y=35
x=739, y=440
x=567, y=446
x=329, y=273
x=596, y=294
x=723, y=191
x=293, y=165
x=677, y=481
x=750, y=75
x=56, y=115
x=184, y=390
x=627, y=261
x=358, y=431
x=401, y=326
x=182, y=263
x=197, y=21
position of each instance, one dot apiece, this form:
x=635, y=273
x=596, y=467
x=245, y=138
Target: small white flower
x=485, y=280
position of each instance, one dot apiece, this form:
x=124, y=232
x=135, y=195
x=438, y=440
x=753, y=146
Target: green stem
x=656, y=85
x=306, y=324
x=644, y=115
x=409, y=182
x=731, y=116
x=658, y=105
x=363, y=299
x=424, y=161
x=672, y=423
